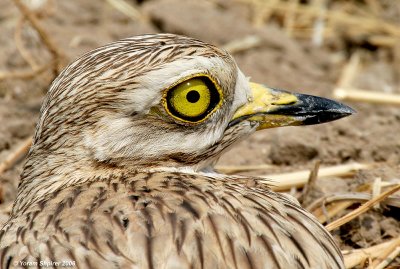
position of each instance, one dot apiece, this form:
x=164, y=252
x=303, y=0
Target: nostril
x=285, y=104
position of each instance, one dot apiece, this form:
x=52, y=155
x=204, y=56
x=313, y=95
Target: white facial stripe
x=155, y=82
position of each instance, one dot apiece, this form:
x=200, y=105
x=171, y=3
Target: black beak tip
x=326, y=110
x=348, y=110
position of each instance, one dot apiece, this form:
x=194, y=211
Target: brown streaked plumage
x=116, y=180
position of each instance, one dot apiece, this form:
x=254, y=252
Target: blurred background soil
x=311, y=47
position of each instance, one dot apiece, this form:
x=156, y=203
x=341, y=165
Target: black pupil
x=193, y=96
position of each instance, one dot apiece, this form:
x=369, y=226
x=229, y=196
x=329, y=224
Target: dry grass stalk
x=362, y=209
x=393, y=200
x=319, y=31
x=389, y=258
x=319, y=25
x=374, y=6
x=128, y=10
x=241, y=168
x=323, y=209
x=325, y=212
x=21, y=151
x=243, y=44
x=261, y=13
x=285, y=181
x=355, y=257
x=349, y=71
x=23, y=74
x=376, y=190
x=290, y=17
x=312, y=180
x=363, y=24
x=383, y=40
x=26, y=55
x=48, y=42
x=352, y=94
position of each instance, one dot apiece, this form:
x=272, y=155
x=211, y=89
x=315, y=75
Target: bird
x=120, y=172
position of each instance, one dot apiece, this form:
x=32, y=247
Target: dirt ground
x=372, y=136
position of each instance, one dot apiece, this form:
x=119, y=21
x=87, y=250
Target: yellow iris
x=191, y=98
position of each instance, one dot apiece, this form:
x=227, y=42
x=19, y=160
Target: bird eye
x=192, y=100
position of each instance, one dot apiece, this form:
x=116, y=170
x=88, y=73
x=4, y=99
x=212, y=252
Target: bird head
x=161, y=101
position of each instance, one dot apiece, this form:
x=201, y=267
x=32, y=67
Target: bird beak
x=275, y=108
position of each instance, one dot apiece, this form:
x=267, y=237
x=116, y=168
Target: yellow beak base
x=276, y=108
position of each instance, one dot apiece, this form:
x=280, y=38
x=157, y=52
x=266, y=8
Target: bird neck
x=44, y=174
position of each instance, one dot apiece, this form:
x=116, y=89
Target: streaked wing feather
x=195, y=222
